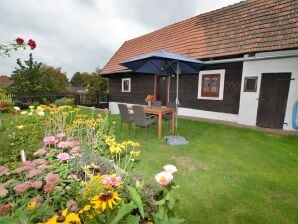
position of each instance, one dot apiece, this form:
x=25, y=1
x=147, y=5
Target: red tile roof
x=248, y=26
x=5, y=81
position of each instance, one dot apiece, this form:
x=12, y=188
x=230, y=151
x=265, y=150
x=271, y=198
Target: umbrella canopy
x=165, y=63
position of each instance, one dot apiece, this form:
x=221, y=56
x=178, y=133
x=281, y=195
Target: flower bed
x=81, y=174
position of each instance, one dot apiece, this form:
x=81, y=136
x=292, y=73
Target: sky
x=82, y=35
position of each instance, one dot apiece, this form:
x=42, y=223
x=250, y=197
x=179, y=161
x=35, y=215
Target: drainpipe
x=254, y=58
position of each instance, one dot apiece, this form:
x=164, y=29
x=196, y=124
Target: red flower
x=20, y=41
x=32, y=44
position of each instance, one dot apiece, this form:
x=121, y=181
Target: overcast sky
x=81, y=35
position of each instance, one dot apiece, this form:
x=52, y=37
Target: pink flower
x=3, y=190
x=38, y=200
x=170, y=168
x=75, y=150
x=39, y=161
x=41, y=151
x=60, y=135
x=5, y=209
x=63, y=156
x=33, y=173
x=44, y=167
x=49, y=140
x=53, y=178
x=75, y=143
x=27, y=165
x=36, y=184
x=112, y=180
x=22, y=187
x=49, y=186
x=3, y=170
x=164, y=178
x=64, y=144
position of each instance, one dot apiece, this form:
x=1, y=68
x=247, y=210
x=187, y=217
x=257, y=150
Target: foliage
x=81, y=171
x=29, y=79
x=5, y=101
x=94, y=82
x=59, y=77
x=64, y=101
x=25, y=132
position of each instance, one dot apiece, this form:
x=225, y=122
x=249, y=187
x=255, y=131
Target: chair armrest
x=150, y=116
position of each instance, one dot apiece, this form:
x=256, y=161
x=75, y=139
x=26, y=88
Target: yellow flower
x=135, y=153
x=31, y=206
x=86, y=208
x=65, y=218
x=105, y=200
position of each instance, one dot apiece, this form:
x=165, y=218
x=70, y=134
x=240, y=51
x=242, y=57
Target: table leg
x=173, y=123
x=159, y=125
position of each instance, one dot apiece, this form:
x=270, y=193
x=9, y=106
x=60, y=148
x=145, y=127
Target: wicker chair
x=156, y=103
x=141, y=119
x=126, y=117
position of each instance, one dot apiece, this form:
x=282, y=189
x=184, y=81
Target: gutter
x=254, y=58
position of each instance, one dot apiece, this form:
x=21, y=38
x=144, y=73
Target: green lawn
x=227, y=174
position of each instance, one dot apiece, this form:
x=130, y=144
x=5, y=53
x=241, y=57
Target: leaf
x=160, y=202
x=132, y=219
x=123, y=211
x=137, y=199
x=176, y=221
x=171, y=203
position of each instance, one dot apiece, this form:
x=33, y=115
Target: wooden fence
x=84, y=99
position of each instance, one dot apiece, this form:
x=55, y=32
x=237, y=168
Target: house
x=5, y=81
x=251, y=74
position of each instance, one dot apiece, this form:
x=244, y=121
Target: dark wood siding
x=141, y=86
x=188, y=90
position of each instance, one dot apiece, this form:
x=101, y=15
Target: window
x=126, y=84
x=211, y=84
x=250, y=84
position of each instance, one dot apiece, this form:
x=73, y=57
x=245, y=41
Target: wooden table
x=161, y=111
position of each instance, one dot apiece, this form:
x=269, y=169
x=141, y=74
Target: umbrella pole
x=177, y=95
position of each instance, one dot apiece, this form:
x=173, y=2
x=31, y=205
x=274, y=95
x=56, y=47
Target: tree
x=77, y=80
x=30, y=80
x=60, y=78
x=94, y=82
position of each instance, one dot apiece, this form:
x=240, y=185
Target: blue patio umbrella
x=165, y=63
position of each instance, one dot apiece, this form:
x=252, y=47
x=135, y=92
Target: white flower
x=20, y=126
x=16, y=108
x=31, y=107
x=24, y=112
x=30, y=114
x=170, y=168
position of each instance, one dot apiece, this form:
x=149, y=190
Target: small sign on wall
x=250, y=84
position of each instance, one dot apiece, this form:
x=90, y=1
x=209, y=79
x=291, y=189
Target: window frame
x=245, y=84
x=210, y=93
x=220, y=92
x=129, y=85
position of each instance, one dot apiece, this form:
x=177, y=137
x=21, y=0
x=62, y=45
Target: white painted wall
x=248, y=100
x=207, y=114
